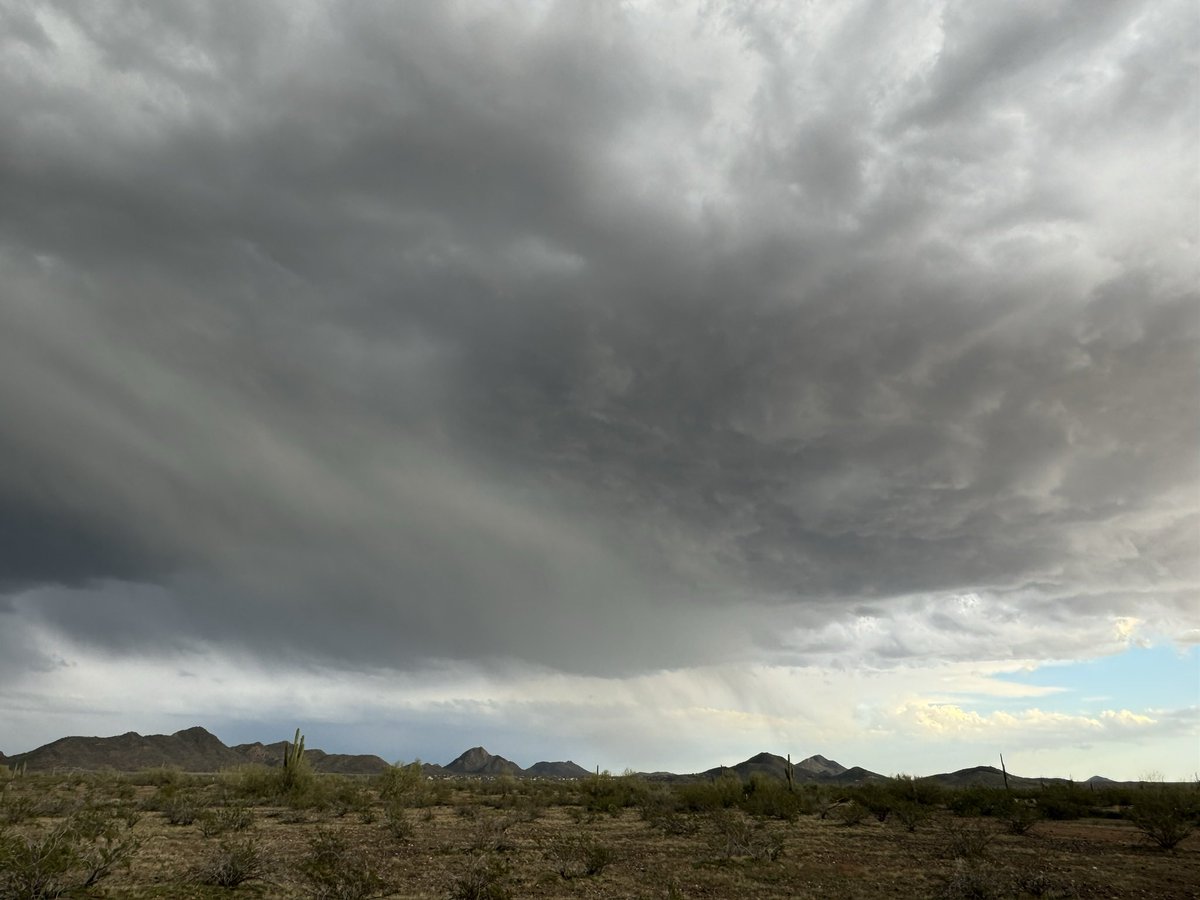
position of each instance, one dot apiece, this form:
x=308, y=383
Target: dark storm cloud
x=383, y=333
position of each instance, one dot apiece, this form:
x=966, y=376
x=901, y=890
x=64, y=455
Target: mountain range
x=198, y=750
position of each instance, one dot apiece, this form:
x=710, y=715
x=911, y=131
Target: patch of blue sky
x=1140, y=678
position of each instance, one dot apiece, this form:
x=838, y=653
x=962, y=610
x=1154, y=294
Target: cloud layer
x=597, y=338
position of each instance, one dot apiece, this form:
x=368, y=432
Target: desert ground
x=260, y=832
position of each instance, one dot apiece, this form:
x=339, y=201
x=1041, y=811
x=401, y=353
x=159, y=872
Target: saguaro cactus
x=293, y=753
x=295, y=766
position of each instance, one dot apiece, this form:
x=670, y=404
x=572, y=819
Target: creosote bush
x=969, y=841
x=486, y=879
x=232, y=864
x=69, y=857
x=222, y=819
x=578, y=854
x=335, y=871
x=1165, y=814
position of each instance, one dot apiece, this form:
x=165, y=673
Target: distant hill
x=333, y=763
x=990, y=776
x=478, y=761
x=193, y=750
x=566, y=769
x=197, y=750
x=815, y=769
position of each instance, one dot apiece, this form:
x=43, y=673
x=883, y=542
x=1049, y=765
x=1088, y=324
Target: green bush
x=852, y=813
x=332, y=871
x=878, y=799
x=252, y=782
x=485, y=880
x=910, y=815
x=70, y=857
x=578, y=854
x=218, y=821
x=921, y=791
x=970, y=841
x=724, y=792
x=405, y=785
x=611, y=794
x=735, y=836
x=1064, y=802
x=768, y=797
x=1164, y=814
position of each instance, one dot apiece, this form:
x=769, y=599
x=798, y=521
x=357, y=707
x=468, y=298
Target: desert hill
x=567, y=769
x=478, y=761
x=192, y=750
x=197, y=750
x=814, y=770
x=332, y=763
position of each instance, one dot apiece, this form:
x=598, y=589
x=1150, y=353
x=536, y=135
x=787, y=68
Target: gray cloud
x=386, y=334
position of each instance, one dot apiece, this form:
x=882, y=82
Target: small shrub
x=724, y=792
x=852, y=813
x=348, y=796
x=332, y=872
x=38, y=866
x=738, y=837
x=485, y=880
x=972, y=883
x=404, y=785
x=921, y=791
x=970, y=842
x=72, y=856
x=214, y=822
x=771, y=798
x=910, y=815
x=181, y=811
x=490, y=833
x=611, y=794
x=232, y=864
x=15, y=810
x=1164, y=815
x=252, y=782
x=399, y=825
x=577, y=855
x=878, y=800
x=1020, y=816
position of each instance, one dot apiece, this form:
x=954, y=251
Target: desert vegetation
x=287, y=831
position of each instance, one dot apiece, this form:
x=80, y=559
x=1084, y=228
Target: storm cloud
x=600, y=338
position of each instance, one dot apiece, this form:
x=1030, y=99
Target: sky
x=648, y=384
